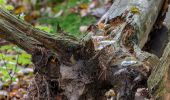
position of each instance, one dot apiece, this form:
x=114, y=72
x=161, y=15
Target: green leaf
x=2, y=2
x=6, y=47
x=44, y=28
x=9, y=7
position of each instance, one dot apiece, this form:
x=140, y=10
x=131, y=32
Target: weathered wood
x=141, y=14
x=29, y=38
x=158, y=82
x=110, y=64
x=51, y=42
x=120, y=35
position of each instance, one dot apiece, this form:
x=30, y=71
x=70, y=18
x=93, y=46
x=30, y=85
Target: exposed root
x=47, y=88
x=40, y=89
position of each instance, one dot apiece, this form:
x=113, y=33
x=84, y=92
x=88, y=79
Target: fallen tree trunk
x=158, y=82
x=108, y=63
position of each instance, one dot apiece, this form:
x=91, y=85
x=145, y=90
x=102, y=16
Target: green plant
x=69, y=22
x=3, y=4
x=12, y=60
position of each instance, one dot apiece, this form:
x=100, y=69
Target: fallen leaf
x=19, y=10
x=101, y=25
x=83, y=6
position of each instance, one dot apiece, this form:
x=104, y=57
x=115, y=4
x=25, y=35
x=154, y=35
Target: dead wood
x=158, y=82
x=107, y=64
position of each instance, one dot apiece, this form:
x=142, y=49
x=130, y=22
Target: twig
x=16, y=65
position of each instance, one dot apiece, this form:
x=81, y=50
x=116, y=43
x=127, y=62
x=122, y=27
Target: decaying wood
x=107, y=64
x=158, y=82
x=121, y=33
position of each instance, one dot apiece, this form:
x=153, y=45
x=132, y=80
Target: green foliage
x=44, y=28
x=24, y=59
x=10, y=57
x=69, y=22
x=2, y=2
x=72, y=22
x=5, y=77
x=4, y=5
x=9, y=7
x=68, y=4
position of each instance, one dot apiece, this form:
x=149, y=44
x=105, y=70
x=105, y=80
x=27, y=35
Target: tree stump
x=108, y=63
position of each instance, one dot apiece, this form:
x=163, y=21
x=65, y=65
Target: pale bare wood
x=158, y=82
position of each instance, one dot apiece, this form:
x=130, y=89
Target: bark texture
x=158, y=82
x=108, y=63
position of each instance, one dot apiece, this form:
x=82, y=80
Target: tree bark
x=107, y=64
x=158, y=82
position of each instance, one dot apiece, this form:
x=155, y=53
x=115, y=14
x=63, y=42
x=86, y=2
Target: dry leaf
x=101, y=25
x=19, y=10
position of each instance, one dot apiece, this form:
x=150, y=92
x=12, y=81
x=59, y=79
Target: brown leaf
x=101, y=25
x=19, y=10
